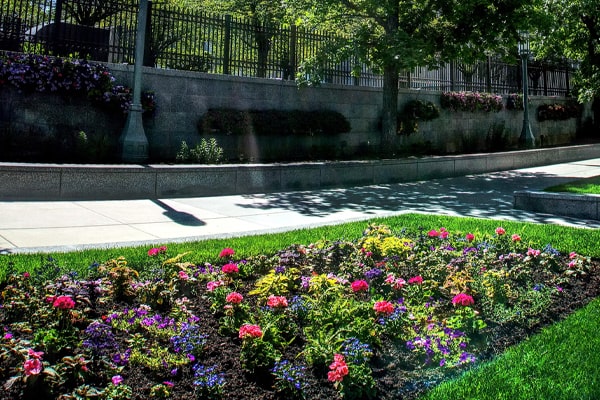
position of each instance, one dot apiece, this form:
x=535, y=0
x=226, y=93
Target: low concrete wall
x=70, y=182
x=570, y=205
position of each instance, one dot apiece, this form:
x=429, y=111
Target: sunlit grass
x=580, y=186
x=565, y=239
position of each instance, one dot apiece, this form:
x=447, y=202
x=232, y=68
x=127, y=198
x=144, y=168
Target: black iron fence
x=104, y=30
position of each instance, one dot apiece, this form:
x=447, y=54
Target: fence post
x=227, y=45
x=149, y=58
x=567, y=83
x=56, y=34
x=452, y=78
x=488, y=74
x=292, y=59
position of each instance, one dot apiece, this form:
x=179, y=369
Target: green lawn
x=580, y=186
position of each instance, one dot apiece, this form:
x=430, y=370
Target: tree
x=396, y=35
x=265, y=16
x=571, y=29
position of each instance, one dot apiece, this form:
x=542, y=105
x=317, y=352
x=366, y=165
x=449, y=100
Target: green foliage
x=205, y=152
x=274, y=122
x=415, y=111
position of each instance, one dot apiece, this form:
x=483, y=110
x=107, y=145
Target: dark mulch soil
x=394, y=380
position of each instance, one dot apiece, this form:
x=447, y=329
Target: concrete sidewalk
x=57, y=226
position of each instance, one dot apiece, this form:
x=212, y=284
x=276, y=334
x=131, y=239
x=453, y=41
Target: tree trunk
x=389, y=119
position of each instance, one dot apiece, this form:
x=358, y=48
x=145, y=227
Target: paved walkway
x=72, y=225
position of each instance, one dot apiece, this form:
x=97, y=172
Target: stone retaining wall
x=71, y=182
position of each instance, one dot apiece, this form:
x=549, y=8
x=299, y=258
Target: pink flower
x=33, y=366
x=35, y=354
x=433, y=233
x=533, y=253
x=183, y=275
x=463, y=299
x=8, y=336
x=443, y=233
x=277, y=302
x=117, y=380
x=226, y=252
x=230, y=268
x=572, y=255
x=157, y=250
x=500, y=231
x=359, y=286
x=396, y=283
x=63, y=302
x=168, y=383
x=212, y=285
x=234, y=298
x=26, y=275
x=416, y=280
x=250, y=331
x=383, y=307
x=338, y=369
x=470, y=237
x=515, y=238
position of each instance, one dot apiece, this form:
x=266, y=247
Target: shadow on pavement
x=481, y=196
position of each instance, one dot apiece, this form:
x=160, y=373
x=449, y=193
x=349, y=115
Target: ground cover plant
x=580, y=186
x=386, y=315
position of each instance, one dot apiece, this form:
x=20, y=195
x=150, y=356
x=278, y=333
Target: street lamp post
x=133, y=137
x=526, y=139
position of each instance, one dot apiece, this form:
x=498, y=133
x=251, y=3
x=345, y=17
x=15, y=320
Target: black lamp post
x=133, y=138
x=526, y=139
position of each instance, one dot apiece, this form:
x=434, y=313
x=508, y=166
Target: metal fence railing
x=104, y=30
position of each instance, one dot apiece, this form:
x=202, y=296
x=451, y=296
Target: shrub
x=471, y=101
x=206, y=152
x=35, y=73
x=558, y=112
x=514, y=101
x=415, y=111
x=273, y=122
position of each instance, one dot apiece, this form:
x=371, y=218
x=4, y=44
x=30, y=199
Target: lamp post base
x=526, y=139
x=133, y=138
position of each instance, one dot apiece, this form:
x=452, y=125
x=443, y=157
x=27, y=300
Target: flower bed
x=385, y=317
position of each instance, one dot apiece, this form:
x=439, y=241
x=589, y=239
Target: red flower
x=359, y=286
x=383, y=307
x=463, y=299
x=234, y=298
x=470, y=237
x=230, y=268
x=250, y=331
x=226, y=252
x=277, y=301
x=500, y=231
x=64, y=302
x=338, y=369
x=433, y=233
x=416, y=280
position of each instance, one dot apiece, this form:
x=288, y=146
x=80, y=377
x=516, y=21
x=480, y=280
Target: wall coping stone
x=24, y=181
x=584, y=206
